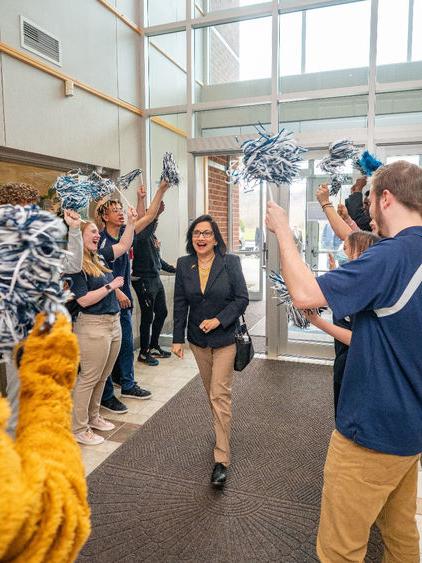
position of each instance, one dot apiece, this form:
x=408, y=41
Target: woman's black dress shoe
x=219, y=475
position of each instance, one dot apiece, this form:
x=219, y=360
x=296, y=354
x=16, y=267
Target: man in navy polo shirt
x=371, y=469
x=111, y=213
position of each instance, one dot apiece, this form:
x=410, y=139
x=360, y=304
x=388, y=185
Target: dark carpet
x=151, y=500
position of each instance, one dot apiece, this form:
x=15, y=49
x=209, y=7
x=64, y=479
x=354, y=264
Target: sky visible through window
x=337, y=37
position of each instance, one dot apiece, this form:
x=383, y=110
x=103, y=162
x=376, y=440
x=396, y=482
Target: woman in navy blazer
x=209, y=296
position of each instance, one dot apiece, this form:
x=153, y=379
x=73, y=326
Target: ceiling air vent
x=40, y=42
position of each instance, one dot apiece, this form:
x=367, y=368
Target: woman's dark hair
x=221, y=245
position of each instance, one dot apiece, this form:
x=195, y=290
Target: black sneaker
x=158, y=352
x=147, y=359
x=114, y=405
x=137, y=393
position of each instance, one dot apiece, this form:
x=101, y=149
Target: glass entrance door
x=321, y=249
x=247, y=238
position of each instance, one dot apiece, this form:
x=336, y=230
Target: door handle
x=264, y=254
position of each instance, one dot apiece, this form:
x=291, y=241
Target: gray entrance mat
x=151, y=499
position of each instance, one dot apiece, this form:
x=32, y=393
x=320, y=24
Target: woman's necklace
x=204, y=266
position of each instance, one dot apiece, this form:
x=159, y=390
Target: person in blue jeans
x=111, y=215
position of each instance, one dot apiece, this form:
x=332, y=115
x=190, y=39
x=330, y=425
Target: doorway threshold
x=296, y=359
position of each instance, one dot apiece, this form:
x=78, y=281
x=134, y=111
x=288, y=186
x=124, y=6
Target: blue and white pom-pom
x=294, y=314
x=366, y=163
x=270, y=158
x=339, y=152
x=124, y=181
x=99, y=187
x=170, y=173
x=31, y=264
x=73, y=193
x=76, y=191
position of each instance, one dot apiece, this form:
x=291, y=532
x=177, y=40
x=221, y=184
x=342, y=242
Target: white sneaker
x=101, y=423
x=88, y=438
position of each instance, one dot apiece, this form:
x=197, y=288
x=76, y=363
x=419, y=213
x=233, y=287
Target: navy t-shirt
x=82, y=283
x=121, y=265
x=380, y=403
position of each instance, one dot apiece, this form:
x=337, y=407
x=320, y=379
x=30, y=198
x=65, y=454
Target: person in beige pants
x=209, y=296
x=97, y=327
x=99, y=339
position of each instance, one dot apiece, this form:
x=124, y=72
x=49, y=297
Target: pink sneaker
x=101, y=423
x=88, y=438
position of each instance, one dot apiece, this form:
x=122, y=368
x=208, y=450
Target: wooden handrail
x=21, y=56
x=169, y=126
x=122, y=17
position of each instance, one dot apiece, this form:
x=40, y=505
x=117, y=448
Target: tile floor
x=164, y=381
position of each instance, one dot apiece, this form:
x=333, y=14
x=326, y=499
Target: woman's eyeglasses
x=205, y=234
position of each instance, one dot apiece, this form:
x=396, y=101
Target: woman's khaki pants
x=216, y=369
x=99, y=338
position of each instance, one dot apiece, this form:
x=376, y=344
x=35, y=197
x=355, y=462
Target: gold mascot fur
x=44, y=513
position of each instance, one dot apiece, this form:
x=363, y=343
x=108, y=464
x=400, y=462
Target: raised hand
x=132, y=215
x=323, y=194
x=276, y=217
x=141, y=192
x=72, y=219
x=164, y=185
x=342, y=211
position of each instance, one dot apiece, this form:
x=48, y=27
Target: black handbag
x=244, y=346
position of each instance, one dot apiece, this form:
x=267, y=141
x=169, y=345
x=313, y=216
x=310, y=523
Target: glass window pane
x=399, y=108
x=412, y=158
x=167, y=65
x=337, y=37
x=166, y=12
x=215, y=5
x=417, y=35
x=392, y=32
x=290, y=43
x=229, y=57
x=328, y=113
x=334, y=56
x=232, y=121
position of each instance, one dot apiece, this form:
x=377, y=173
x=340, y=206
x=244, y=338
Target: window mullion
x=410, y=31
x=303, y=53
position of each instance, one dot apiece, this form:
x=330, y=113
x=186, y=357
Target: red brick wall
x=218, y=199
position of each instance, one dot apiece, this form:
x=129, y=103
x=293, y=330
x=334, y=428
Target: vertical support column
x=144, y=89
x=274, y=67
x=276, y=317
x=372, y=78
x=303, y=54
x=191, y=180
x=276, y=320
